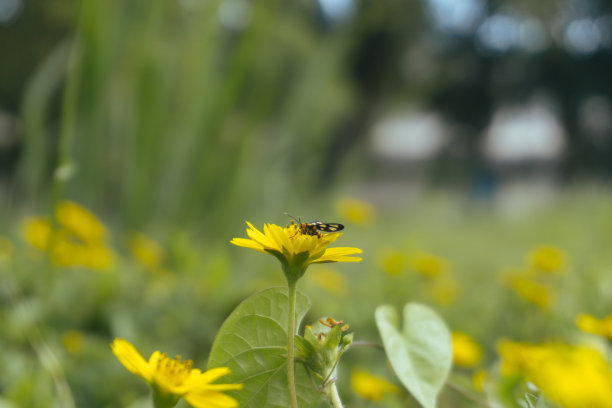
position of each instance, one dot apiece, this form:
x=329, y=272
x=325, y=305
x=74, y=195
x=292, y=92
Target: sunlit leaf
x=420, y=353
x=253, y=343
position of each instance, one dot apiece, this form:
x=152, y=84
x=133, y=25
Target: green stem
x=367, y=344
x=50, y=362
x=292, y=287
x=333, y=396
x=162, y=399
x=64, y=166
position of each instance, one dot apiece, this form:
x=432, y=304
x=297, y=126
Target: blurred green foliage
x=167, y=114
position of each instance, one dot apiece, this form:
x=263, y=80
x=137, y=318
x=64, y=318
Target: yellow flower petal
x=131, y=358
x=211, y=400
x=339, y=254
x=258, y=237
x=212, y=374
x=247, y=243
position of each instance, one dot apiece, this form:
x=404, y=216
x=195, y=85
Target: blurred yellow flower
x=514, y=357
x=37, y=232
x=147, y=251
x=593, y=325
x=6, y=250
x=172, y=379
x=371, y=387
x=444, y=290
x=356, y=211
x=296, y=249
x=466, y=351
x=78, y=239
x=329, y=280
x=532, y=291
x=429, y=265
x=80, y=221
x=73, y=341
x=393, y=262
x=97, y=257
x=547, y=259
x=479, y=379
x=571, y=376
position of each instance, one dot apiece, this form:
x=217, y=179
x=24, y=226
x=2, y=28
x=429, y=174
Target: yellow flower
x=429, y=265
x=547, y=259
x=296, y=249
x=571, y=376
x=393, y=262
x=593, y=325
x=6, y=250
x=514, y=357
x=371, y=387
x=172, y=379
x=356, y=211
x=37, y=232
x=97, y=257
x=147, y=251
x=329, y=280
x=80, y=222
x=479, y=379
x=444, y=290
x=532, y=291
x=73, y=341
x=466, y=352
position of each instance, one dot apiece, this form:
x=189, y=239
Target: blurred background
x=465, y=144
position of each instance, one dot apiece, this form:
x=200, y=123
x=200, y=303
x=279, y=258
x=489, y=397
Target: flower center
x=294, y=231
x=174, y=371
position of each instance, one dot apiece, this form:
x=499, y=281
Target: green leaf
x=253, y=343
x=421, y=353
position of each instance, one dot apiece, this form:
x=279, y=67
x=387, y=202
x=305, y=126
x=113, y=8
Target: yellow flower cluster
x=532, y=282
x=440, y=284
x=571, y=376
x=371, y=387
x=77, y=238
x=593, y=325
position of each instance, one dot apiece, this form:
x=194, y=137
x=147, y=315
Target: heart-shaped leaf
x=421, y=353
x=252, y=342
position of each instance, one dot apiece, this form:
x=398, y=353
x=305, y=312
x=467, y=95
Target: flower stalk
x=332, y=395
x=292, y=287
